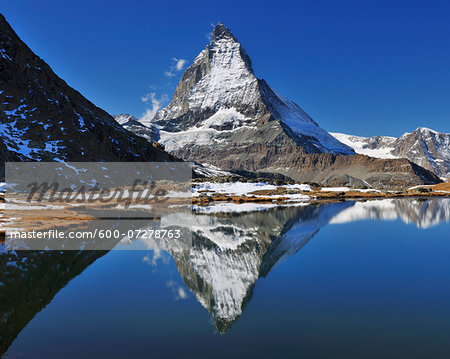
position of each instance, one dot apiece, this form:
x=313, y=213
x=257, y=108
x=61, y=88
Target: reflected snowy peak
x=424, y=213
x=230, y=251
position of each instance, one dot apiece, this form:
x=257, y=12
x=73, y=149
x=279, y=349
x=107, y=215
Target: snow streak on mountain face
x=427, y=148
x=219, y=103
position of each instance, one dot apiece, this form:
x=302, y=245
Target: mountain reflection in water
x=220, y=263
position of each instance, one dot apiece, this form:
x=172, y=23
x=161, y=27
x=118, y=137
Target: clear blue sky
x=359, y=67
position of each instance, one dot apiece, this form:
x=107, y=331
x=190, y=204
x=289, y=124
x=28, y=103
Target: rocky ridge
x=425, y=147
x=44, y=119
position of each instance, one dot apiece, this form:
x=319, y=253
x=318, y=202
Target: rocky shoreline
x=285, y=194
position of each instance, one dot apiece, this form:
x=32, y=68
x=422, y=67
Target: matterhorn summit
x=222, y=114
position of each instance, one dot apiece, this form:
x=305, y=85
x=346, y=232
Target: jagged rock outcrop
x=44, y=119
x=427, y=148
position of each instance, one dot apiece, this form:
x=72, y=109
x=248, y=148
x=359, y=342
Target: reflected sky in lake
x=341, y=280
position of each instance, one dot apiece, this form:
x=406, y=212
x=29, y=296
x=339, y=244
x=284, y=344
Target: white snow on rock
x=208, y=170
x=361, y=145
x=300, y=122
x=426, y=147
x=12, y=138
x=123, y=118
x=335, y=189
x=301, y=187
x=419, y=186
x=222, y=117
x=206, y=133
x=229, y=80
x=244, y=188
x=5, y=55
x=247, y=189
x=232, y=188
x=225, y=207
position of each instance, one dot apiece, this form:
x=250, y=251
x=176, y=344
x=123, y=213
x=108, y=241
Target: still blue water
x=366, y=288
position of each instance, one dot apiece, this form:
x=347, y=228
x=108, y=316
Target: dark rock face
x=43, y=119
x=355, y=171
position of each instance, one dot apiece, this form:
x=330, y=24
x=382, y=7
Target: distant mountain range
x=429, y=149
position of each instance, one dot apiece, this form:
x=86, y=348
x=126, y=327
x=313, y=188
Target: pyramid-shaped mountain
x=43, y=119
x=219, y=102
x=222, y=115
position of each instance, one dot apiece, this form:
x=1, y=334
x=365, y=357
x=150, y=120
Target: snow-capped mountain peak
x=220, y=77
x=124, y=118
x=132, y=124
x=426, y=129
x=222, y=32
x=220, y=104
